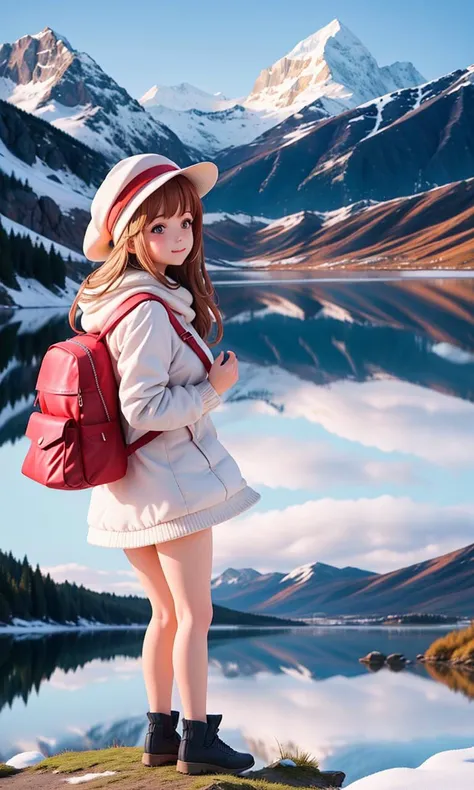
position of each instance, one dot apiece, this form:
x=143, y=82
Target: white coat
x=184, y=480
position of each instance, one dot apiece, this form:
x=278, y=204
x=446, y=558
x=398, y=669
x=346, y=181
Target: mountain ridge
x=43, y=74
x=331, y=67
x=441, y=585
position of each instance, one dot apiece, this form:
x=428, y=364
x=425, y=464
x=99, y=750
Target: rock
x=420, y=657
x=375, y=657
x=297, y=776
x=396, y=658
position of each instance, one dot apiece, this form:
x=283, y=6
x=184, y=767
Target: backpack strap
x=124, y=309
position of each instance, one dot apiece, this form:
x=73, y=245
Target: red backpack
x=77, y=439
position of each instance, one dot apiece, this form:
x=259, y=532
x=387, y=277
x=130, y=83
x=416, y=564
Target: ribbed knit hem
x=210, y=397
x=175, y=528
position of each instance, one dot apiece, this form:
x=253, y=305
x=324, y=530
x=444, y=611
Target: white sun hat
x=125, y=187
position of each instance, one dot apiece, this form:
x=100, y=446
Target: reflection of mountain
x=311, y=692
x=444, y=584
x=323, y=333
x=124, y=732
x=314, y=653
x=319, y=332
x=29, y=660
x=24, y=337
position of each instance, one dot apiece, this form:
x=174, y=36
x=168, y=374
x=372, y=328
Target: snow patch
x=76, y=780
x=450, y=770
x=301, y=574
x=212, y=217
x=33, y=294
x=456, y=355
x=24, y=759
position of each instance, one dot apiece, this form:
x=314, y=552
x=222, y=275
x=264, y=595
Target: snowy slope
x=69, y=192
x=37, y=238
x=331, y=68
x=43, y=74
x=185, y=97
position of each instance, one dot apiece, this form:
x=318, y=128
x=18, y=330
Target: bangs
x=177, y=194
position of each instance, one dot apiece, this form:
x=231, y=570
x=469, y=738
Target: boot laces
x=224, y=747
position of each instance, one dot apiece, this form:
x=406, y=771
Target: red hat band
x=131, y=189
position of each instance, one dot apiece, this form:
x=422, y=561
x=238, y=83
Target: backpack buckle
x=186, y=335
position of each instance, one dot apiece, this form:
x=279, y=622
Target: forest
x=28, y=594
x=19, y=256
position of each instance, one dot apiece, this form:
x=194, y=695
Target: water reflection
x=418, y=332
x=303, y=688
x=369, y=389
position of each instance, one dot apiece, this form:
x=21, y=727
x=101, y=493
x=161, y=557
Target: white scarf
x=97, y=311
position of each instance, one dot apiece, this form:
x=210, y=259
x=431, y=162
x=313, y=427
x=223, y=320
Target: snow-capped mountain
x=44, y=75
x=440, y=585
x=331, y=69
x=185, y=97
x=231, y=576
x=402, y=143
x=248, y=590
x=331, y=64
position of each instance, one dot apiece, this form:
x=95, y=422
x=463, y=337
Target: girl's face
x=169, y=240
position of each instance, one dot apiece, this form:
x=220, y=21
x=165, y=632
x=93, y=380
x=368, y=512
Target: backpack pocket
x=54, y=457
x=104, y=452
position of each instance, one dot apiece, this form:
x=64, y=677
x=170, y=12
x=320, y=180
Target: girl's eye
x=162, y=226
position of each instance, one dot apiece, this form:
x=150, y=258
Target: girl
x=146, y=230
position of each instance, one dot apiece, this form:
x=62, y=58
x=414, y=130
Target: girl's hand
x=224, y=376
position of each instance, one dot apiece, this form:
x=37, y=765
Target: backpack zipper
x=87, y=350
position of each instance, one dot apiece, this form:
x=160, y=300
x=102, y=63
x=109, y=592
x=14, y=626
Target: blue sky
x=221, y=46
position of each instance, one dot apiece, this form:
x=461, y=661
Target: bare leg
x=157, y=648
x=187, y=567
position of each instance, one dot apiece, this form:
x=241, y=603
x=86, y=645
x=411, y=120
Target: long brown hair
x=176, y=194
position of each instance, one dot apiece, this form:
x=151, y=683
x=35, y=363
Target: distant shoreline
x=42, y=629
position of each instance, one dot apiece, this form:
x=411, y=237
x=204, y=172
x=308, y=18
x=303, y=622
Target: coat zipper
x=87, y=350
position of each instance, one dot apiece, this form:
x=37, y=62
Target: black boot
x=202, y=751
x=161, y=740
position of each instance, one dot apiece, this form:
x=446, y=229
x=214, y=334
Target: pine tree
x=57, y=268
x=42, y=266
x=7, y=274
x=38, y=595
x=5, y=611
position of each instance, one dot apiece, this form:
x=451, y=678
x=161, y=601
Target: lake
x=353, y=416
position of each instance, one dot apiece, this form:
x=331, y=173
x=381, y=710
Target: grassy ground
x=126, y=761
x=457, y=645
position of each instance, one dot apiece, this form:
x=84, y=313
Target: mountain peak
x=331, y=66
x=49, y=32
x=317, y=42
x=235, y=576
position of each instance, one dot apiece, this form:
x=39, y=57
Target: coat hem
x=178, y=527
